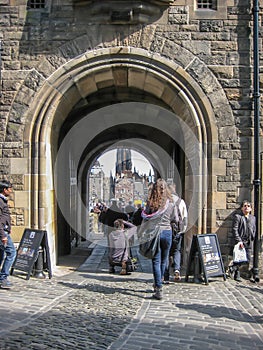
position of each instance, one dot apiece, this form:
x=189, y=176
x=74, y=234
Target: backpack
x=177, y=224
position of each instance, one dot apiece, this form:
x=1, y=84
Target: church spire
x=123, y=161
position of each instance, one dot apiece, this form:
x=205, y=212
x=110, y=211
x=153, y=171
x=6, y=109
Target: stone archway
x=161, y=79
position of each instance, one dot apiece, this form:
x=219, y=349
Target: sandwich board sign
x=28, y=252
x=205, y=257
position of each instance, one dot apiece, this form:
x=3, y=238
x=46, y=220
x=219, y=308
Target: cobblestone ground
x=91, y=316
x=96, y=311
x=222, y=315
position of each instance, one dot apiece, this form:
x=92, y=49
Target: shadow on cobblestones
x=115, y=278
x=221, y=311
x=251, y=288
x=105, y=290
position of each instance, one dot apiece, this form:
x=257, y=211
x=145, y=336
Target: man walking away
x=178, y=235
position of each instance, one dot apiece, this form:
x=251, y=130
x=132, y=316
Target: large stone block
x=21, y=199
x=19, y=166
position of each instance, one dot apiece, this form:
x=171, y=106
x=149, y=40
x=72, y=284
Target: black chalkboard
x=28, y=251
x=205, y=257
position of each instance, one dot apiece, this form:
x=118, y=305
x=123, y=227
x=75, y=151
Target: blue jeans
x=175, y=255
x=159, y=262
x=7, y=256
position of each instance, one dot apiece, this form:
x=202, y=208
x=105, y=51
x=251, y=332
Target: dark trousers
x=174, y=259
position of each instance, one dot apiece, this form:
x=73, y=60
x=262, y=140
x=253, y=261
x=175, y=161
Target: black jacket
x=243, y=229
x=5, y=219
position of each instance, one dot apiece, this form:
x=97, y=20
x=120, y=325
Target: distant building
x=128, y=185
x=123, y=161
x=124, y=188
x=96, y=184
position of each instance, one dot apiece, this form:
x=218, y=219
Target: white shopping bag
x=239, y=254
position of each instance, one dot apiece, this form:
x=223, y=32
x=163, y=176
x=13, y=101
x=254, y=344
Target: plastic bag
x=239, y=254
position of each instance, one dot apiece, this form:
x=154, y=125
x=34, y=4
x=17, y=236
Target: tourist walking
x=178, y=228
x=160, y=203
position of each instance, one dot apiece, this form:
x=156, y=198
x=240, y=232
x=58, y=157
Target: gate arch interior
x=150, y=129
x=158, y=107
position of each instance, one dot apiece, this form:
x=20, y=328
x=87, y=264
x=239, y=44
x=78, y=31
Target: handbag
x=149, y=233
x=150, y=242
x=239, y=254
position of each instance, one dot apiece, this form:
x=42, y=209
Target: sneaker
x=237, y=277
x=177, y=277
x=5, y=284
x=166, y=282
x=111, y=269
x=158, y=294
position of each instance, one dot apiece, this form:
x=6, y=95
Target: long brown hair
x=158, y=195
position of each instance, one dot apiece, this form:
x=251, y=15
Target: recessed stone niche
x=123, y=11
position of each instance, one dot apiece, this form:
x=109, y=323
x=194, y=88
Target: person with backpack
x=178, y=229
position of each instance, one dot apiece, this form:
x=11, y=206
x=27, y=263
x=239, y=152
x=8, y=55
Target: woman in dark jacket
x=244, y=230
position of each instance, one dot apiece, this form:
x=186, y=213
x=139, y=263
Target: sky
x=108, y=162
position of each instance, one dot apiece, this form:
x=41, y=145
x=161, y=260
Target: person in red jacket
x=7, y=248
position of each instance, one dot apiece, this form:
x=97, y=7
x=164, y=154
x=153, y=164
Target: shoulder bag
x=149, y=240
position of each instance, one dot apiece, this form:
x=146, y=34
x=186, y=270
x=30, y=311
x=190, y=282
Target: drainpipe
x=0, y=68
x=257, y=180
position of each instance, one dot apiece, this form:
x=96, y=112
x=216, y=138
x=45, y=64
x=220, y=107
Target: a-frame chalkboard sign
x=28, y=251
x=205, y=258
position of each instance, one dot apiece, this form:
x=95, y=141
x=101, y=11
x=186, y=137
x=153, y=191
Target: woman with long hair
x=160, y=203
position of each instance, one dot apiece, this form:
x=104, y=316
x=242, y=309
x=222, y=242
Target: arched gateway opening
x=127, y=97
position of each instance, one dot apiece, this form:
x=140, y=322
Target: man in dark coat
x=244, y=230
x=112, y=214
x=129, y=210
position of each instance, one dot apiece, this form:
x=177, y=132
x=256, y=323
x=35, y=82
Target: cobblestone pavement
x=91, y=309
